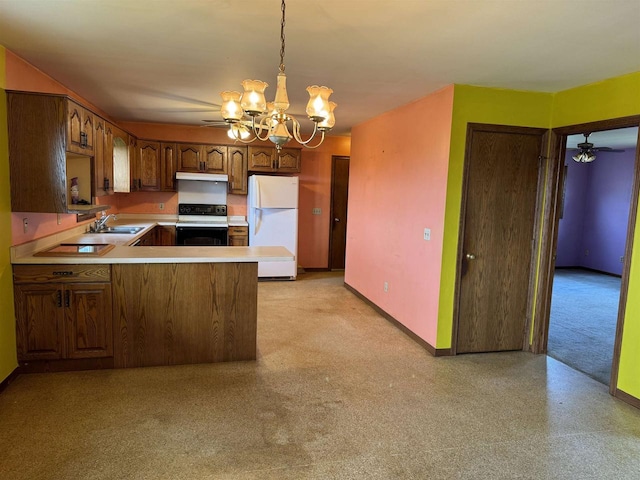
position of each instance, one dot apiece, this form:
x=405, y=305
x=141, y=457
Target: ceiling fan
x=586, y=150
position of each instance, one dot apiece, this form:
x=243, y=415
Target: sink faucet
x=102, y=222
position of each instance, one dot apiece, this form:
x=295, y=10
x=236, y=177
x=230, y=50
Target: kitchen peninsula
x=135, y=306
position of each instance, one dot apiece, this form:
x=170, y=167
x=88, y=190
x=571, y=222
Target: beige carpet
x=336, y=393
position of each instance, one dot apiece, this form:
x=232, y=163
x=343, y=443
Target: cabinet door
x=238, y=236
x=99, y=154
x=88, y=320
x=149, y=165
x=39, y=321
x=261, y=159
x=168, y=166
x=122, y=161
x=189, y=157
x=107, y=165
x=288, y=160
x=215, y=159
x=237, y=170
x=165, y=236
x=79, y=129
x=134, y=165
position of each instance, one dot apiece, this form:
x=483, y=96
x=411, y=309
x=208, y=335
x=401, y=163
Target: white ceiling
x=167, y=60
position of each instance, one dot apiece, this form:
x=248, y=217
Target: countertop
x=124, y=253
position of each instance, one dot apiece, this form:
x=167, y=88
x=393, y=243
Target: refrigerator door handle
x=256, y=225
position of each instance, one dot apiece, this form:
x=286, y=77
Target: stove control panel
x=202, y=209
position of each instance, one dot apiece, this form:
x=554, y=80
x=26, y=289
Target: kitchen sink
x=120, y=230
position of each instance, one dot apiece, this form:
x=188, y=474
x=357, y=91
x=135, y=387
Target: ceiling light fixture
x=585, y=157
x=252, y=103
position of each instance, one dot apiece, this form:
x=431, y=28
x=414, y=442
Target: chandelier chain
x=282, y=39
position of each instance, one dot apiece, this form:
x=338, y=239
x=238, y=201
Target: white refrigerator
x=273, y=221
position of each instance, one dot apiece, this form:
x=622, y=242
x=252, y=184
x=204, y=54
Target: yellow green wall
x=477, y=105
x=8, y=359
x=613, y=98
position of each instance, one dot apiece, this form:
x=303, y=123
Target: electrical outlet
x=427, y=234
x=316, y=211
x=386, y=286
x=25, y=224
x=621, y=259
x=59, y=219
x=161, y=206
x=586, y=253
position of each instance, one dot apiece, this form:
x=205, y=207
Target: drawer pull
x=59, y=298
x=65, y=273
x=66, y=298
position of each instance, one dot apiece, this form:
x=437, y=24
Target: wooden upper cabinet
x=268, y=159
x=261, y=159
x=80, y=129
x=168, y=167
x=288, y=160
x=215, y=159
x=190, y=157
x=237, y=169
x=148, y=157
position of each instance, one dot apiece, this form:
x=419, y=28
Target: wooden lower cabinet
x=165, y=235
x=171, y=314
x=63, y=311
x=238, y=236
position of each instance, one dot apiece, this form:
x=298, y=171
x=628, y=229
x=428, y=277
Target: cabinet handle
x=66, y=298
x=59, y=298
x=83, y=140
x=106, y=184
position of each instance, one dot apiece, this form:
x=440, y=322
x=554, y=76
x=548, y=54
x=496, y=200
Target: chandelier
x=251, y=118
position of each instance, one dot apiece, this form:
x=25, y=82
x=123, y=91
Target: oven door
x=201, y=236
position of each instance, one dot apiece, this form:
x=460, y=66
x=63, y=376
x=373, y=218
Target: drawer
x=238, y=230
x=61, y=273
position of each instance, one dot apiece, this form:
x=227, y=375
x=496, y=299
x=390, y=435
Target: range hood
x=203, y=177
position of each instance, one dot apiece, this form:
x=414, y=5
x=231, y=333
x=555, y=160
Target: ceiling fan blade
x=608, y=149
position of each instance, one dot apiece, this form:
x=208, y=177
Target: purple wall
x=593, y=230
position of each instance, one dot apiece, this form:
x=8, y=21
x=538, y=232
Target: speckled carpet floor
x=336, y=393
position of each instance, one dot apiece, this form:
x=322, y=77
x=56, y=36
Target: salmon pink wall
x=397, y=188
x=315, y=192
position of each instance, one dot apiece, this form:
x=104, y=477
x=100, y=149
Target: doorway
x=551, y=217
x=591, y=243
x=502, y=172
x=339, y=198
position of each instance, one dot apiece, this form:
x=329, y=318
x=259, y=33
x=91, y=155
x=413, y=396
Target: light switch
x=427, y=234
x=316, y=211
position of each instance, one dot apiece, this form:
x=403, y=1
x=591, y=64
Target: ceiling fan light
x=231, y=110
x=318, y=105
x=237, y=131
x=253, y=101
x=584, y=157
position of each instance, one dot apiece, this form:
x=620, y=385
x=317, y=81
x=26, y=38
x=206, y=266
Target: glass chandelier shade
x=276, y=125
x=584, y=157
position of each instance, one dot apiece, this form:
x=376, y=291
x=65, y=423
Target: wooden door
x=134, y=165
x=237, y=170
x=339, y=195
x=149, y=165
x=215, y=159
x=499, y=207
x=39, y=321
x=88, y=318
x=75, y=125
